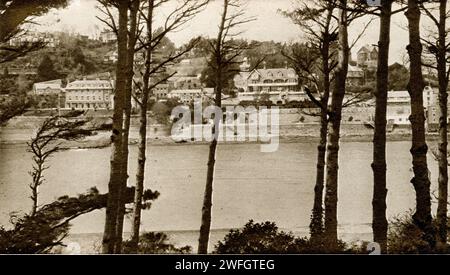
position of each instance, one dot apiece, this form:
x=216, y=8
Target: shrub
x=265, y=238
x=156, y=243
x=404, y=237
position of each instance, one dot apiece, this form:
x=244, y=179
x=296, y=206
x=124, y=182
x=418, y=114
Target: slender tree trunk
x=443, y=127
x=331, y=193
x=422, y=217
x=379, y=221
x=114, y=185
x=127, y=120
x=208, y=196
x=140, y=175
x=316, y=226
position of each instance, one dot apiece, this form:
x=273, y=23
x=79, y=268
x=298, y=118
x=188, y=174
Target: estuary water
x=248, y=185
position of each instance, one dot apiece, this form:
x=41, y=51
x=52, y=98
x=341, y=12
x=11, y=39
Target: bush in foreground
x=266, y=238
x=404, y=237
x=157, y=243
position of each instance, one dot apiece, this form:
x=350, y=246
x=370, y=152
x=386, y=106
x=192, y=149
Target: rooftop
x=90, y=84
x=52, y=84
x=368, y=48
x=275, y=73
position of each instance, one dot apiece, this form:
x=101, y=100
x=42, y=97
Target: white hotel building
x=89, y=94
x=280, y=84
x=399, y=105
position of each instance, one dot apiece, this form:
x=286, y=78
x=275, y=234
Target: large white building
x=188, y=96
x=107, y=36
x=279, y=84
x=399, y=105
x=161, y=91
x=89, y=94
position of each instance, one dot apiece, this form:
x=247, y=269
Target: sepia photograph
x=224, y=127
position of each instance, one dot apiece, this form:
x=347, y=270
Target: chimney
x=264, y=64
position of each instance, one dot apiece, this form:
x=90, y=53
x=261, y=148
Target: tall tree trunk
x=443, y=127
x=331, y=193
x=140, y=174
x=422, y=217
x=127, y=120
x=316, y=225
x=114, y=185
x=208, y=196
x=379, y=221
x=207, y=199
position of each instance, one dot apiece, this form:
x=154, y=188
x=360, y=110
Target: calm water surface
x=249, y=184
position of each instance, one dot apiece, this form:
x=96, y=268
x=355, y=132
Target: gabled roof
x=275, y=73
x=89, y=84
x=52, y=84
x=368, y=48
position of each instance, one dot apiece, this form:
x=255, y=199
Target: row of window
x=87, y=98
x=88, y=105
x=161, y=95
x=272, y=89
x=275, y=81
x=87, y=86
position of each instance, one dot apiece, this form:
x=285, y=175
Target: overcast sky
x=80, y=17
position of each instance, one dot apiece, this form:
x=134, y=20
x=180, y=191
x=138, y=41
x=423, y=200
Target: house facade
x=399, y=105
x=367, y=57
x=355, y=76
x=161, y=91
x=107, y=36
x=280, y=85
x=89, y=94
x=52, y=87
x=188, y=96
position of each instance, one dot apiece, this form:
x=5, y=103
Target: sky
x=80, y=17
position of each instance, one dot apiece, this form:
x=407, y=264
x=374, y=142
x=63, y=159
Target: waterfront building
x=89, y=94
x=107, y=36
x=188, y=96
x=280, y=85
x=399, y=105
x=434, y=113
x=52, y=87
x=184, y=82
x=161, y=91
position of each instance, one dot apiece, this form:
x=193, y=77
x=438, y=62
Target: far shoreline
x=103, y=141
